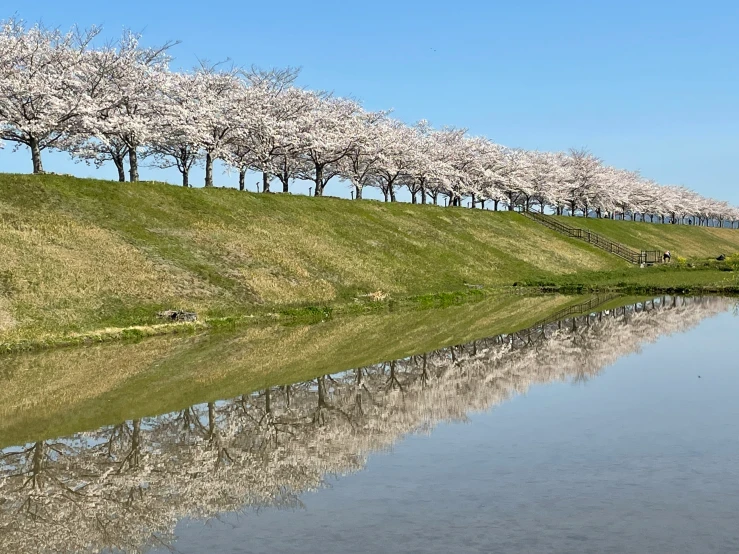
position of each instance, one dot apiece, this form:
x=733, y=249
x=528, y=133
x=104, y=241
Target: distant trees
x=120, y=102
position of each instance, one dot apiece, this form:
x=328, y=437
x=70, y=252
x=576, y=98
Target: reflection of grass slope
x=59, y=392
x=79, y=255
x=688, y=241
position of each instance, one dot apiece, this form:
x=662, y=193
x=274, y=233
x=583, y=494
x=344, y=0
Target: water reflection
x=126, y=486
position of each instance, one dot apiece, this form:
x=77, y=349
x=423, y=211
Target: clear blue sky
x=648, y=85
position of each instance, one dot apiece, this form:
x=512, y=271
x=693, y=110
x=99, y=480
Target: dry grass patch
x=61, y=270
x=7, y=321
x=547, y=253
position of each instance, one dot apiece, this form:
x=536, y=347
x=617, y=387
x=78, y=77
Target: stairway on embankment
x=631, y=255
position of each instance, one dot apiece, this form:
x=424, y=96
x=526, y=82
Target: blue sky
x=648, y=85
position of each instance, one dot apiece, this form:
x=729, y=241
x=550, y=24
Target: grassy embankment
x=687, y=241
x=58, y=392
x=693, y=267
x=85, y=258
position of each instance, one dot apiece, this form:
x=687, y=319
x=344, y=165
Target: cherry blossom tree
x=427, y=163
x=455, y=156
x=176, y=138
x=42, y=95
x=422, y=162
x=584, y=170
x=324, y=135
x=547, y=175
x=515, y=182
x=395, y=158
x=122, y=79
x=270, y=142
x=363, y=162
x=220, y=111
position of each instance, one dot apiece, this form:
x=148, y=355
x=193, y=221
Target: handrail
x=579, y=309
x=599, y=241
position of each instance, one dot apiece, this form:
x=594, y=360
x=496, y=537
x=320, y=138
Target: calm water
x=612, y=432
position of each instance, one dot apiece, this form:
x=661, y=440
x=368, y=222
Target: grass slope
x=78, y=254
x=687, y=241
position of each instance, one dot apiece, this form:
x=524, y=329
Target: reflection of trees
x=125, y=486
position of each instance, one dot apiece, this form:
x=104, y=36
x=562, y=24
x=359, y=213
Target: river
x=615, y=430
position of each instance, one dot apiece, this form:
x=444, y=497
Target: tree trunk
x=423, y=195
x=495, y=205
x=37, y=467
x=474, y=200
x=186, y=178
x=413, y=198
x=265, y=181
x=319, y=181
x=208, y=169
x=392, y=193
x=358, y=192
x=242, y=178
x=285, y=185
x=387, y=194
x=135, y=457
x=118, y=161
x=38, y=166
x=133, y=165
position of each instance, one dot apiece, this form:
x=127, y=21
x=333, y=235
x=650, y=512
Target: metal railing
x=599, y=241
x=578, y=309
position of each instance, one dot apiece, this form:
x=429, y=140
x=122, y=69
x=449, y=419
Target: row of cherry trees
x=121, y=102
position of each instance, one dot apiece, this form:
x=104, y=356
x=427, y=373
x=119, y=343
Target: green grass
x=82, y=259
x=82, y=255
x=658, y=279
x=688, y=241
x=58, y=392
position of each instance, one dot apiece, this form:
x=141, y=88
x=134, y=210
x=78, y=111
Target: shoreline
x=308, y=315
